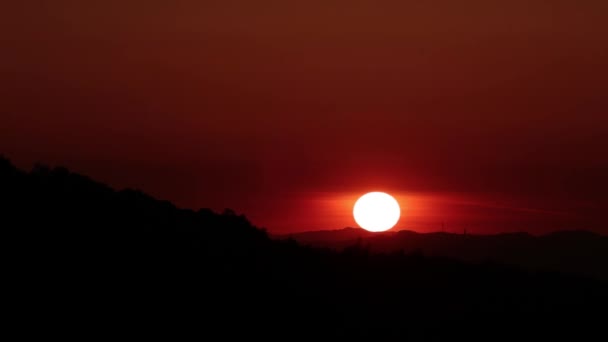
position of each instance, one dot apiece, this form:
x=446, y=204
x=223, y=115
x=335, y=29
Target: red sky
x=490, y=115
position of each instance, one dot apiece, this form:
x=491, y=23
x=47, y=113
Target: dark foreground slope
x=574, y=252
x=87, y=261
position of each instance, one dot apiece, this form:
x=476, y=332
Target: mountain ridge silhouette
x=86, y=259
x=576, y=251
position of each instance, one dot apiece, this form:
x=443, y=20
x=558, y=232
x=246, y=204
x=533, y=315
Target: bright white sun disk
x=376, y=212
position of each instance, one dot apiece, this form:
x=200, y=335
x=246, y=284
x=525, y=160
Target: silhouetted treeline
x=87, y=261
x=576, y=252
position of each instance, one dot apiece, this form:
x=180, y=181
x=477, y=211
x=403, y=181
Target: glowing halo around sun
x=376, y=211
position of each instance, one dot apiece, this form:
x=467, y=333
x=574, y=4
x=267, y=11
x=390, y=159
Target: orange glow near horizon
x=421, y=212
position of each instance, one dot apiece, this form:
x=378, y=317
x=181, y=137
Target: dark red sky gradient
x=490, y=115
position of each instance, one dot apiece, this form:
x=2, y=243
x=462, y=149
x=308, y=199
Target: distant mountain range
x=579, y=252
x=83, y=258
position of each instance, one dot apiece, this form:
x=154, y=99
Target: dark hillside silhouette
x=576, y=252
x=88, y=261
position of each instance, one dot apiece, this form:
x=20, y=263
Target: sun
x=376, y=211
